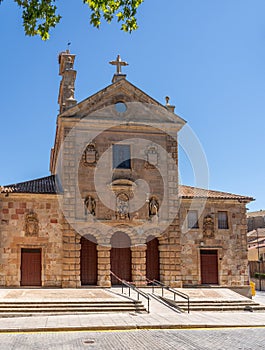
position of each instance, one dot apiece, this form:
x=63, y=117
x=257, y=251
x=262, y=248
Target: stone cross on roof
x=118, y=63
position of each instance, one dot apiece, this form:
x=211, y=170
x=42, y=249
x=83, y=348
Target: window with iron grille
x=222, y=220
x=193, y=219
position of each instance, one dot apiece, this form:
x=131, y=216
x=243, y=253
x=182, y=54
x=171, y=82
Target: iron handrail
x=131, y=286
x=175, y=292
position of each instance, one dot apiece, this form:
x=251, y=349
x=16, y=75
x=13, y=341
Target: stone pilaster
x=104, y=279
x=71, y=258
x=170, y=255
x=139, y=264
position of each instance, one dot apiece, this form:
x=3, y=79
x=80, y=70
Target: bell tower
x=66, y=97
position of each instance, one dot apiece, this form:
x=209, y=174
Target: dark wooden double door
x=209, y=266
x=30, y=267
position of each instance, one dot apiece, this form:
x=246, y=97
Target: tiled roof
x=258, y=232
x=195, y=192
x=45, y=185
x=256, y=213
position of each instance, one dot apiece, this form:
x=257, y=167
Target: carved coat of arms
x=151, y=157
x=31, y=226
x=90, y=156
x=208, y=226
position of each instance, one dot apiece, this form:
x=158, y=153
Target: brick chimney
x=66, y=97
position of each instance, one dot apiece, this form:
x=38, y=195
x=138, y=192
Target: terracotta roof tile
x=195, y=192
x=45, y=185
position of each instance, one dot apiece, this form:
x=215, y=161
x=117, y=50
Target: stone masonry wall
x=13, y=237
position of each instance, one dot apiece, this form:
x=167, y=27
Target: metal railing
x=175, y=292
x=132, y=287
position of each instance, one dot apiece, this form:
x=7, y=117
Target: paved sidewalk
x=160, y=317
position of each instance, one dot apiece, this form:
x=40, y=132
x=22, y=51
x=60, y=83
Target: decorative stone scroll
x=151, y=157
x=90, y=156
x=122, y=207
x=208, y=226
x=31, y=226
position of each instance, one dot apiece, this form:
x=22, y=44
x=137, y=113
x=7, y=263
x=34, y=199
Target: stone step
x=219, y=303
x=216, y=305
x=64, y=308
x=63, y=304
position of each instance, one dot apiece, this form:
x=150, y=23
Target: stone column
x=104, y=279
x=139, y=264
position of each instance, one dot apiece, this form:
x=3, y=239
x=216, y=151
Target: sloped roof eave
x=189, y=192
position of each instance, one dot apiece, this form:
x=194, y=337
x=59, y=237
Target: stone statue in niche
x=31, y=226
x=151, y=157
x=153, y=207
x=90, y=204
x=208, y=226
x=122, y=210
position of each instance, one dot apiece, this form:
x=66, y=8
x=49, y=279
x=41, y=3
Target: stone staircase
x=216, y=305
x=212, y=299
x=16, y=309
x=40, y=302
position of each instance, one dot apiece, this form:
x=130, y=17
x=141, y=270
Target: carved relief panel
x=31, y=226
x=208, y=226
x=90, y=155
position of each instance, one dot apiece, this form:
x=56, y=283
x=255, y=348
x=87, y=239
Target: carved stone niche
x=208, y=226
x=90, y=155
x=31, y=226
x=122, y=207
x=153, y=207
x=90, y=205
x=151, y=157
x=124, y=191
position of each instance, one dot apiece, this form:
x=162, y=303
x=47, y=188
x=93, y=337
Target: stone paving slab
x=42, y=295
x=202, y=294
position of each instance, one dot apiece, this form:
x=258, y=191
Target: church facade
x=113, y=207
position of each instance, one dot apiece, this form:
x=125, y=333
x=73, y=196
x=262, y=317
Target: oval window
x=120, y=107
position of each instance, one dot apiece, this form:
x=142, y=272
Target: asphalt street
x=217, y=339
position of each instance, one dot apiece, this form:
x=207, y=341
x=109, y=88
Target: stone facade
x=230, y=243
x=114, y=182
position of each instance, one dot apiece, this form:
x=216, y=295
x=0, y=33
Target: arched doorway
x=120, y=257
x=88, y=261
x=152, y=259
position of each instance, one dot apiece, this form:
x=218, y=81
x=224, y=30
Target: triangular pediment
x=140, y=106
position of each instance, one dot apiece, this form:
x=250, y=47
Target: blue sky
x=208, y=56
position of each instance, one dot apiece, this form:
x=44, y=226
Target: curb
x=124, y=328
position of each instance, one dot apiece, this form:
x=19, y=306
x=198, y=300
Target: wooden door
x=120, y=257
x=88, y=262
x=152, y=260
x=120, y=264
x=209, y=267
x=30, y=267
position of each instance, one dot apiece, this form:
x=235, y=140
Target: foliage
x=39, y=16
